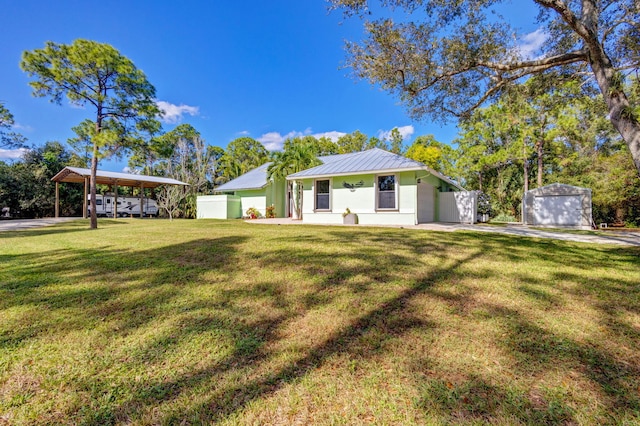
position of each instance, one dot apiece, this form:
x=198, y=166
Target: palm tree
x=296, y=157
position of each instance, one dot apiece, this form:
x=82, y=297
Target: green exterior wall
x=358, y=194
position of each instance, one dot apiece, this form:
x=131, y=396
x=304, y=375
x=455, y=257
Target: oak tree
x=453, y=56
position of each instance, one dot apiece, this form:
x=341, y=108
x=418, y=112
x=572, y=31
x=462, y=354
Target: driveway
x=20, y=224
x=603, y=237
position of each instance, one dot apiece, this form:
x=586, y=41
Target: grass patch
x=158, y=322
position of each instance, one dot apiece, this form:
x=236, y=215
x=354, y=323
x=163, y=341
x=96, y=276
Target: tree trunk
x=609, y=81
x=540, y=154
x=92, y=187
x=611, y=87
x=620, y=113
x=525, y=166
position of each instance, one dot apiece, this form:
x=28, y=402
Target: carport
x=114, y=179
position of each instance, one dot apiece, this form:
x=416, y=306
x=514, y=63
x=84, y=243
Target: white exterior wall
x=257, y=201
x=458, y=207
x=361, y=200
x=217, y=206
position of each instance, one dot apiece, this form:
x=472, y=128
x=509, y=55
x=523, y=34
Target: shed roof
x=558, y=189
x=78, y=175
x=254, y=179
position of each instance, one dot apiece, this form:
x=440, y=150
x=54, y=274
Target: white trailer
x=127, y=206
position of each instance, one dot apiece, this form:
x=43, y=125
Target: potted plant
x=253, y=213
x=271, y=212
x=349, y=218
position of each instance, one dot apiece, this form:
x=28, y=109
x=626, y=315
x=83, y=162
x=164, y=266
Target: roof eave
x=241, y=189
x=353, y=173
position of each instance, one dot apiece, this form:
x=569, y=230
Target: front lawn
x=190, y=322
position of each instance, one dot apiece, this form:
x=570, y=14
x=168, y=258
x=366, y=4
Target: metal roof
x=78, y=175
x=257, y=178
x=254, y=179
x=558, y=189
x=372, y=160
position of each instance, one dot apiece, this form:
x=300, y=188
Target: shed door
x=558, y=210
x=426, y=202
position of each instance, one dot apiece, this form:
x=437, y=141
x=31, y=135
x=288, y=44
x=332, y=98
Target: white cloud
x=334, y=135
x=531, y=43
x=405, y=131
x=244, y=133
x=273, y=141
x=173, y=113
x=22, y=128
x=12, y=154
x=131, y=171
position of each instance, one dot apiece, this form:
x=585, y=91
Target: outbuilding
x=558, y=205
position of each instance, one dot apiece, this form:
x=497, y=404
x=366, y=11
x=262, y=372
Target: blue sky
x=265, y=69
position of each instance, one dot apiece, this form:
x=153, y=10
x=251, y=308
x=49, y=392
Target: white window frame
x=315, y=194
x=396, y=190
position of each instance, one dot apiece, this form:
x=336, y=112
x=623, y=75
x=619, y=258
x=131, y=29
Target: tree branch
x=540, y=64
x=568, y=16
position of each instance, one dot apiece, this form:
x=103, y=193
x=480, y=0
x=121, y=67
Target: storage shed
x=558, y=205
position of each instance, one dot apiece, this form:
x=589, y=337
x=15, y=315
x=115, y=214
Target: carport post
x=57, y=200
x=86, y=194
x=115, y=202
x=141, y=200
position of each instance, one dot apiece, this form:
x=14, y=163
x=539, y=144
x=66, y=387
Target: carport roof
x=78, y=175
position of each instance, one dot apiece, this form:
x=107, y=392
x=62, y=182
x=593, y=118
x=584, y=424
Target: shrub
x=484, y=203
x=502, y=217
x=271, y=211
x=253, y=213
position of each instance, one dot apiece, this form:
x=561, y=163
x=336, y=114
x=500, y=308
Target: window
x=387, y=199
x=322, y=195
x=98, y=202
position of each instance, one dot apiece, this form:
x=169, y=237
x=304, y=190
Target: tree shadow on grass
x=535, y=349
x=360, y=338
x=123, y=287
x=132, y=291
x=473, y=399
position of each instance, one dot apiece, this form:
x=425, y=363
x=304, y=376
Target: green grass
x=192, y=322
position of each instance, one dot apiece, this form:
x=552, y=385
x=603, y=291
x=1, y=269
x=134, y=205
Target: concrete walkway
x=603, y=237
x=21, y=224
